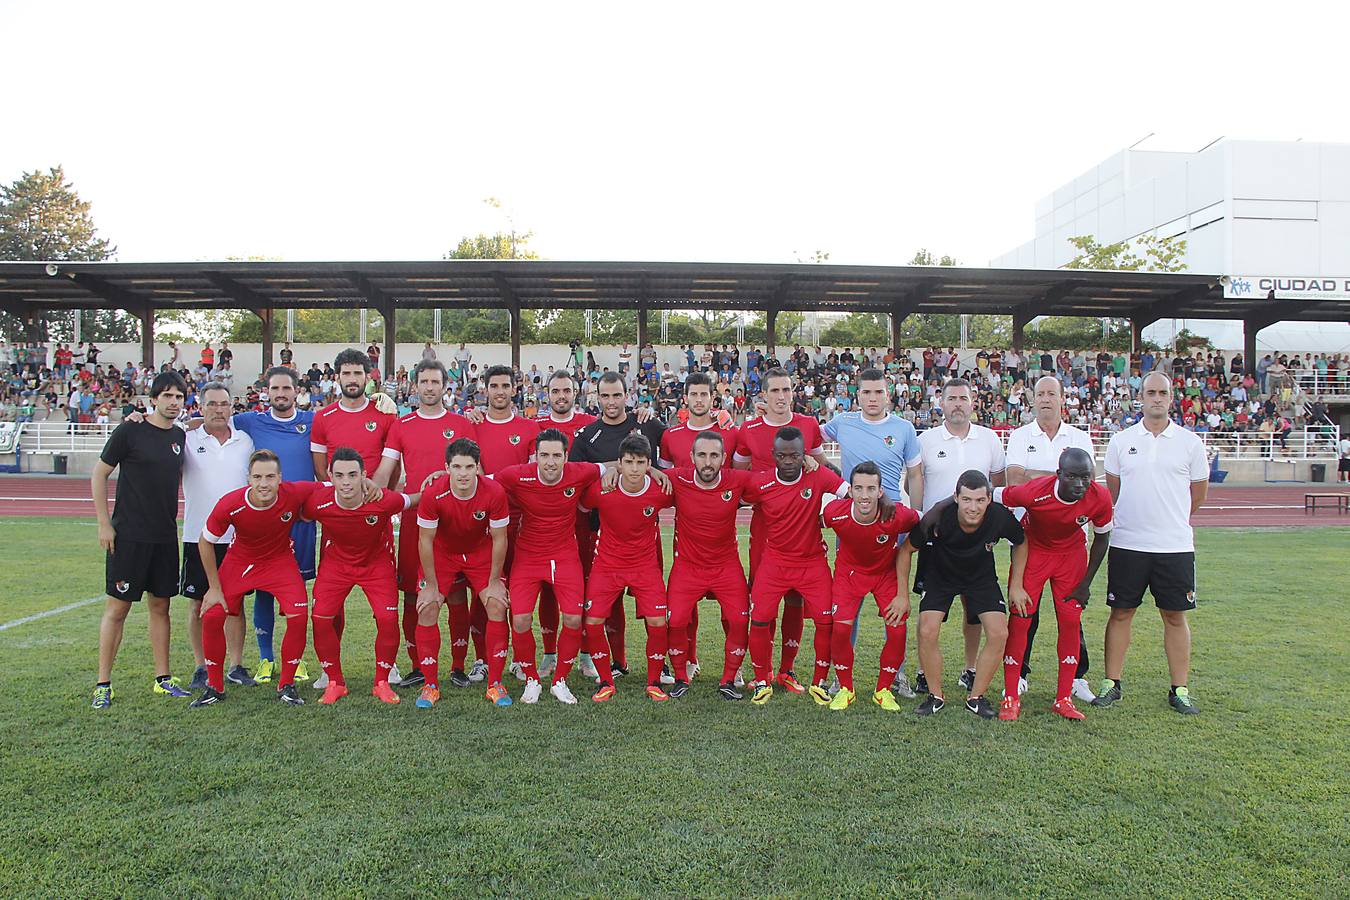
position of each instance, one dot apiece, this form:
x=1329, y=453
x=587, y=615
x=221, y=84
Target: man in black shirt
x=957, y=537
x=141, y=536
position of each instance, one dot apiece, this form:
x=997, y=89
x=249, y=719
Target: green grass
x=697, y=797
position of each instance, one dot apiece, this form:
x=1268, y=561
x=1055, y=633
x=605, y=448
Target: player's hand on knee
x=1079, y=595
x=428, y=598
x=211, y=598
x=495, y=592
x=897, y=610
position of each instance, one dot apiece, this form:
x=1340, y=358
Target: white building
x=1266, y=214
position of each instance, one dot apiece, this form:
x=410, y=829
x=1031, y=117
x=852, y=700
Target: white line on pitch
x=51, y=612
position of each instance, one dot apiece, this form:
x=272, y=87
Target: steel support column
x=641, y=328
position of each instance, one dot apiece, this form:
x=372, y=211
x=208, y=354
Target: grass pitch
x=696, y=797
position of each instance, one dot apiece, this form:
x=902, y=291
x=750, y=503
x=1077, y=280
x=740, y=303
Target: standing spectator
x=373, y=354
x=208, y=357
x=463, y=357
x=226, y=355
x=287, y=356
x=625, y=359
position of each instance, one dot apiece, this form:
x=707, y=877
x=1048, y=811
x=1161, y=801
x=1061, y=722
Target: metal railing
x=61, y=437
x=1313, y=382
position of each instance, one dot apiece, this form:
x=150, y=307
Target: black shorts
x=1344, y=465
x=192, y=582
x=134, y=568
x=1169, y=577
x=984, y=599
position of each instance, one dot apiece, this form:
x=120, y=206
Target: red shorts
x=1063, y=570
x=776, y=579
x=335, y=582
x=409, y=563
x=690, y=584
x=453, y=569
x=606, y=585
x=529, y=575
x=850, y=587
x=279, y=576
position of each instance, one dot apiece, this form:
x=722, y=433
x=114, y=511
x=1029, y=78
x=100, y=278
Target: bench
x=1340, y=500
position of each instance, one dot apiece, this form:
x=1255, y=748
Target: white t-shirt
x=1033, y=450
x=210, y=471
x=946, y=457
x=1153, y=512
x=1345, y=448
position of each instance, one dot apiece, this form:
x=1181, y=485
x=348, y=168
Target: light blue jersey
x=891, y=443
x=289, y=440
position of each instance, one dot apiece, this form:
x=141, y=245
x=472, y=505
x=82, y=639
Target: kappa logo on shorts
x=448, y=433
x=726, y=495
x=515, y=439
x=286, y=517
x=806, y=493
x=122, y=586
x=371, y=426
x=1081, y=520
x=1110, y=598
x=569, y=491
x=301, y=428
x=480, y=514
x=648, y=510
x=191, y=589
x=372, y=520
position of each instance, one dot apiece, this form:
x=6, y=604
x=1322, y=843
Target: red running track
x=1272, y=506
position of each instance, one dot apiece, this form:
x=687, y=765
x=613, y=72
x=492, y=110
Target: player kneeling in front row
x=462, y=522
x=957, y=537
x=358, y=551
x=866, y=564
x=259, y=559
x=1058, y=506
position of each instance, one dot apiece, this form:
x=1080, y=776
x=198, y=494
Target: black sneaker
x=931, y=705
x=210, y=696
x=1181, y=701
x=921, y=684
x=678, y=690
x=415, y=678
x=288, y=695
x=728, y=691
x=617, y=671
x=198, y=682
x=459, y=679
x=980, y=707
x=967, y=679
x=1109, y=694
x=240, y=676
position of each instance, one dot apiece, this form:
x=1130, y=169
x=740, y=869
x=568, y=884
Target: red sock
x=678, y=636
x=841, y=652
x=761, y=652
x=820, y=643
x=386, y=644
x=615, y=628
x=478, y=625
x=733, y=654
x=792, y=637
x=293, y=646
x=459, y=635
x=892, y=655
x=692, y=634
x=409, y=628
x=1015, y=649
x=569, y=644
x=597, y=645
x=523, y=650
x=498, y=633
x=548, y=621
x=213, y=645
x=1068, y=617
x=658, y=644
x=328, y=647
x=340, y=623
x=429, y=652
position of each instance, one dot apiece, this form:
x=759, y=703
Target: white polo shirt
x=1032, y=449
x=210, y=471
x=1153, y=512
x=945, y=457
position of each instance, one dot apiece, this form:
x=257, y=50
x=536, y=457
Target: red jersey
x=677, y=444
x=570, y=427
x=1053, y=524
x=259, y=534
x=755, y=440
x=629, y=529
x=705, y=518
x=463, y=526
x=548, y=511
x=364, y=430
x=504, y=444
x=419, y=442
x=869, y=549
x=791, y=512
x=355, y=538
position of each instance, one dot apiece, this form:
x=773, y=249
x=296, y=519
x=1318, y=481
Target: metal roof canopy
x=27, y=288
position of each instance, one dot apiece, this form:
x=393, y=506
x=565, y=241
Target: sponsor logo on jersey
x=648, y=510
x=370, y=426
x=806, y=493
x=372, y=520
x=1082, y=520
x=726, y=495
x=480, y=514
x=201, y=449
x=1134, y=450
x=301, y=428
x=448, y=433
x=515, y=439
x=1031, y=449
x=569, y=491
x=286, y=517
x=942, y=454
x=325, y=505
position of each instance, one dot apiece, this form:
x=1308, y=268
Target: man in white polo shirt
x=1033, y=452
x=1158, y=477
x=948, y=450
x=215, y=462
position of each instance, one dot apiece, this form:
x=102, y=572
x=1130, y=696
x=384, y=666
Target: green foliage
x=858, y=330
x=924, y=257
x=1148, y=253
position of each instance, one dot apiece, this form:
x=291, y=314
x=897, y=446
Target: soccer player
x=354, y=421
x=215, y=462
x=626, y=557
x=462, y=521
x=1032, y=450
x=418, y=442
x=358, y=551
x=755, y=450
x=1057, y=507
x=140, y=538
x=707, y=557
x=545, y=552
x=958, y=536
x=1158, y=477
x=793, y=559
x=260, y=558
x=866, y=564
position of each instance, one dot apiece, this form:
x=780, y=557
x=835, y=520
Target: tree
x=1158, y=255
x=42, y=218
x=858, y=330
x=931, y=329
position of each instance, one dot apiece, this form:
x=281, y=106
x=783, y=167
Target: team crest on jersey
x=370, y=426
x=883, y=538
x=888, y=440
x=301, y=428
x=1082, y=520
x=648, y=510
x=515, y=439
x=177, y=449
x=371, y=520
x=480, y=514
x=285, y=517
x=726, y=495
x=989, y=547
x=448, y=433
x=569, y=491
x=806, y=493
x=122, y=587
